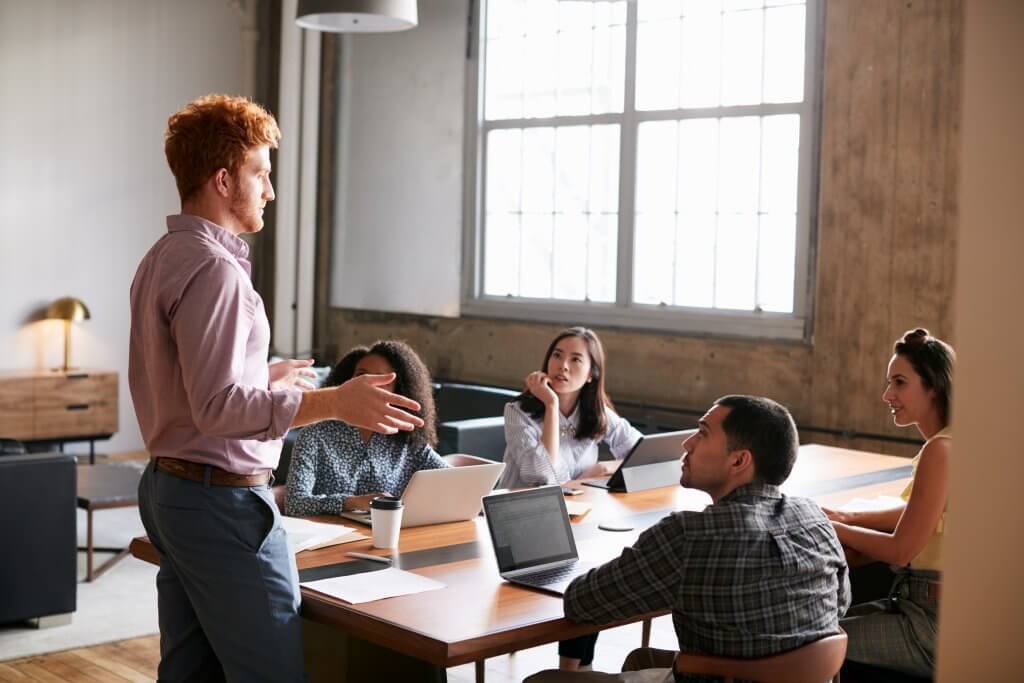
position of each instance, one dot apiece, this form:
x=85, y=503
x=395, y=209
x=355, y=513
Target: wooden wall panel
x=885, y=247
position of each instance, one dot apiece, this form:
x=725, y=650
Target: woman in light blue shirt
x=552, y=430
x=337, y=467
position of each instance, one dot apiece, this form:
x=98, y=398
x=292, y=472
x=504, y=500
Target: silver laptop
x=447, y=495
x=533, y=539
x=658, y=454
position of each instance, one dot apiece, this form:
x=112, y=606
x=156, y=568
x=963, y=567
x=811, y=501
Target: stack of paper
x=305, y=534
x=370, y=586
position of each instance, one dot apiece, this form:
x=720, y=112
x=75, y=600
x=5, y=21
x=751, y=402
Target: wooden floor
x=136, y=660
x=128, y=660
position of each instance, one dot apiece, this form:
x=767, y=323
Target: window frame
x=625, y=313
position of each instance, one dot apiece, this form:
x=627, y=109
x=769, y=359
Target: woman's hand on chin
x=538, y=384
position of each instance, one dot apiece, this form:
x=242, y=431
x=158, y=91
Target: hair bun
x=916, y=336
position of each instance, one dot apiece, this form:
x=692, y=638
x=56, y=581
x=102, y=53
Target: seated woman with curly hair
x=337, y=467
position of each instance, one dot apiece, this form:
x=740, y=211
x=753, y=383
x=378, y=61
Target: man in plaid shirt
x=754, y=574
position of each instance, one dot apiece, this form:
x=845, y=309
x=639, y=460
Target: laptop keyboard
x=549, y=576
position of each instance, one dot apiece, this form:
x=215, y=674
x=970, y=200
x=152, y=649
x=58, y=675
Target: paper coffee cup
x=386, y=521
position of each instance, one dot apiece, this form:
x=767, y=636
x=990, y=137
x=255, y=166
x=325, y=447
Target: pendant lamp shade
x=356, y=16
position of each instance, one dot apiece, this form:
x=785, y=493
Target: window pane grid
x=546, y=58
x=714, y=226
x=550, y=201
x=718, y=191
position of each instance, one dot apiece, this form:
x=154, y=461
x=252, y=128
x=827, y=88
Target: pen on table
x=372, y=558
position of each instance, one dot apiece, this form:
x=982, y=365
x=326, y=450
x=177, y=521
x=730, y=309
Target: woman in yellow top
x=900, y=632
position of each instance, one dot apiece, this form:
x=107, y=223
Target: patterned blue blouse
x=330, y=462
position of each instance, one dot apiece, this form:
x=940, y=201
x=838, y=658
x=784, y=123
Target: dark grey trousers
x=228, y=593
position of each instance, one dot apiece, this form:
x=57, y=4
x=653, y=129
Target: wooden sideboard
x=52, y=405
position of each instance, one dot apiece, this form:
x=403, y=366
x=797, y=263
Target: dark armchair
x=38, y=535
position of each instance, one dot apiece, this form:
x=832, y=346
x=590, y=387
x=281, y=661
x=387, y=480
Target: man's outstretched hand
x=362, y=402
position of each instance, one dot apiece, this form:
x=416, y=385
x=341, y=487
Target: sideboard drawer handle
x=77, y=375
x=78, y=406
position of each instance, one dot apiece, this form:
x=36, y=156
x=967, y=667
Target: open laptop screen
x=529, y=528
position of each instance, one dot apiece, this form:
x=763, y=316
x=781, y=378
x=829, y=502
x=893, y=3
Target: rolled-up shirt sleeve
x=211, y=324
x=526, y=458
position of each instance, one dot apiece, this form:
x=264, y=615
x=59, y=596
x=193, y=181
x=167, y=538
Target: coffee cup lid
x=386, y=503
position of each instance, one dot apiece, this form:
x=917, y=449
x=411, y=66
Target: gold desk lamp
x=67, y=309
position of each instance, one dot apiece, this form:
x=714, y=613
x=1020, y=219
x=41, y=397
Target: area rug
x=119, y=604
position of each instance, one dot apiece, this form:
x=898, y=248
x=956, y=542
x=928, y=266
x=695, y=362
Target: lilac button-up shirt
x=197, y=365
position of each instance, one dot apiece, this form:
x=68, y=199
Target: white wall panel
x=86, y=87
x=398, y=230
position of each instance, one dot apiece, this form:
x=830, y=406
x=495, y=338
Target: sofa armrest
x=482, y=436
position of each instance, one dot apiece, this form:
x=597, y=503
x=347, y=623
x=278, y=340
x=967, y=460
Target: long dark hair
x=932, y=360
x=412, y=380
x=593, y=401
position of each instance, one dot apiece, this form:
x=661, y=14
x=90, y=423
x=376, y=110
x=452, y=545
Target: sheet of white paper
x=878, y=503
x=305, y=533
x=375, y=585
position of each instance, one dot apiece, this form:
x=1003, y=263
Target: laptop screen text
x=529, y=530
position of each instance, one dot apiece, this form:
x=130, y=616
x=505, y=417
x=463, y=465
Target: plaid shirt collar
x=751, y=490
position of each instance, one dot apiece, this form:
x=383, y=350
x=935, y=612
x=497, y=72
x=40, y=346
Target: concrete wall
x=983, y=599
x=86, y=88
x=885, y=246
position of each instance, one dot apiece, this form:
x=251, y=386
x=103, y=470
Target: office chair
x=812, y=663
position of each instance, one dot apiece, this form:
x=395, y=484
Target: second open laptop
x=659, y=453
x=533, y=539
x=451, y=494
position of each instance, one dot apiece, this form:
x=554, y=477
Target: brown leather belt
x=218, y=477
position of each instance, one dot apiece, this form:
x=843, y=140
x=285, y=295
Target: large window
x=644, y=163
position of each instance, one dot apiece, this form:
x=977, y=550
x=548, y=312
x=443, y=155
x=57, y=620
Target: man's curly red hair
x=214, y=132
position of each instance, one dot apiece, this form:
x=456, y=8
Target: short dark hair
x=412, y=380
x=932, y=360
x=766, y=429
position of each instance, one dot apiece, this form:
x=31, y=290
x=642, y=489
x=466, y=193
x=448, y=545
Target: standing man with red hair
x=212, y=411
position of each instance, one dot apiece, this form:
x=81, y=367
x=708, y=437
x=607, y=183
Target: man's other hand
x=292, y=374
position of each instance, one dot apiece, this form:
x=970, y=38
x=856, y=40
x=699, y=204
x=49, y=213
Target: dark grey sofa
x=38, y=535
x=480, y=436
x=470, y=419
x=457, y=401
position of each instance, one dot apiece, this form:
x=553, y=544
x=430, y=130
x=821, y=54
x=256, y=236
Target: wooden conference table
x=477, y=615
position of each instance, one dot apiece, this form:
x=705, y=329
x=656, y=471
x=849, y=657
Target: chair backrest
x=812, y=663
